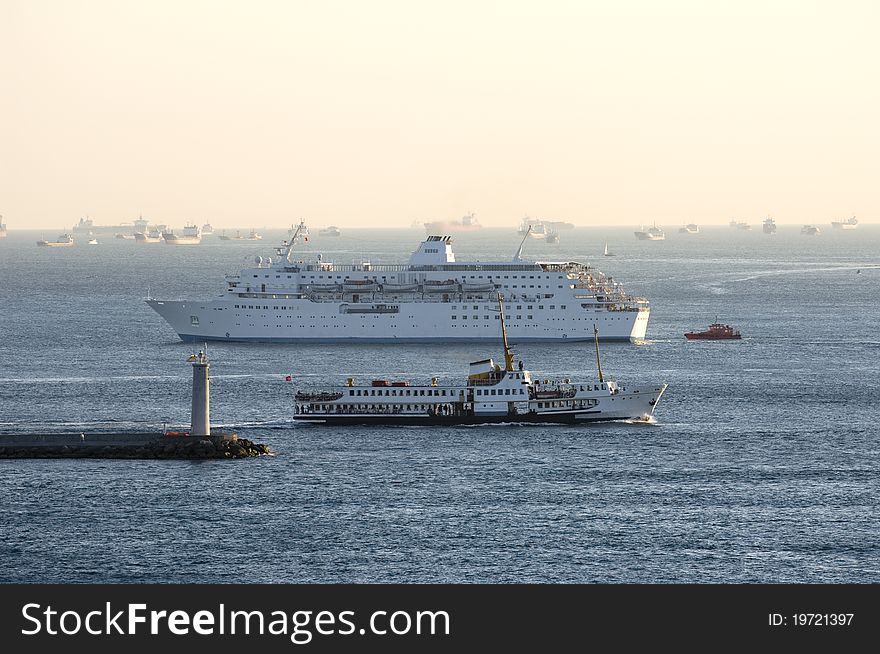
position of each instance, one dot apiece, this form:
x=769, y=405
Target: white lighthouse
x=201, y=421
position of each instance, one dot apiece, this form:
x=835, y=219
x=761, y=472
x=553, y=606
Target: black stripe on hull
x=444, y=421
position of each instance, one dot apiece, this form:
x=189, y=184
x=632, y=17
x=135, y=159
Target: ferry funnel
x=201, y=421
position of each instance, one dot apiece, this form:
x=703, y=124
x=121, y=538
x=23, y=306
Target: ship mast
x=301, y=230
x=518, y=255
x=508, y=355
x=598, y=363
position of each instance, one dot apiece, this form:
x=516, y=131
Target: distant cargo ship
x=191, y=235
x=2, y=228
x=87, y=226
x=690, y=228
x=65, y=240
x=769, y=226
x=466, y=224
x=849, y=223
x=653, y=233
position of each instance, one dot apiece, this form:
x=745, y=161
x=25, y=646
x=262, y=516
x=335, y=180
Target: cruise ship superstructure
x=432, y=298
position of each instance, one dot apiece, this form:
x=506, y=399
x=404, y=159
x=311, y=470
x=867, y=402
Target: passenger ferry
x=491, y=394
x=432, y=298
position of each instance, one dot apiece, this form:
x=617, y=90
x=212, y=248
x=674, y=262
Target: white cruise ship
x=433, y=297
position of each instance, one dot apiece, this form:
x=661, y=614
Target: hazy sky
x=379, y=113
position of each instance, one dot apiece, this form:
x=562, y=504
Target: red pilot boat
x=716, y=332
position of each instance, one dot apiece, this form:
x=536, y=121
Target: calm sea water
x=763, y=465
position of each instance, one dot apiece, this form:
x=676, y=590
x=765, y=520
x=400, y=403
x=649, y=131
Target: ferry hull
x=451, y=421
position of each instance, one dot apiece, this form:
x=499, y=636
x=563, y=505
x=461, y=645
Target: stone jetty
x=128, y=446
x=198, y=443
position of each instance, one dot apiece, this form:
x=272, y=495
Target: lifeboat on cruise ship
x=322, y=288
x=399, y=288
x=448, y=286
x=477, y=288
x=362, y=285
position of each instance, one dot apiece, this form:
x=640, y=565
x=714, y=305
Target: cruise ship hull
x=321, y=322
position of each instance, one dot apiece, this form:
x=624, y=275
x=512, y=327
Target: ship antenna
x=518, y=255
x=598, y=362
x=508, y=355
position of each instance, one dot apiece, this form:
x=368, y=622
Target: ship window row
x=251, y=306
x=395, y=393
x=372, y=408
x=507, y=391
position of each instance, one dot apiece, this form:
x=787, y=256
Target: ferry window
x=562, y=306
x=476, y=317
x=540, y=307
x=443, y=393
x=454, y=317
x=464, y=317
x=519, y=307
x=552, y=306
x=454, y=307
x=407, y=393
x=529, y=317
x=485, y=317
x=540, y=405
x=507, y=391
x=476, y=308
x=479, y=392
x=351, y=392
x=529, y=307
x=493, y=391
x=255, y=276
x=497, y=317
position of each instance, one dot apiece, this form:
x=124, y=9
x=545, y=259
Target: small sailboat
x=607, y=253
